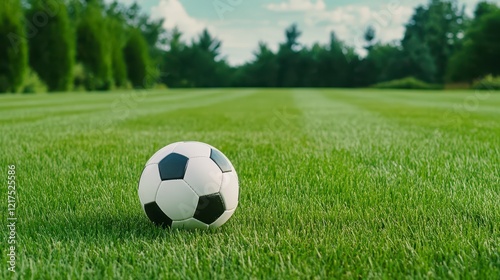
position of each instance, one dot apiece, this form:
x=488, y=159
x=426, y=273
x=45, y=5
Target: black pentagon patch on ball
x=173, y=167
x=210, y=208
x=220, y=160
x=157, y=216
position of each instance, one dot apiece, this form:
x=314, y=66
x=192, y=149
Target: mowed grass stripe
x=107, y=113
x=435, y=97
x=461, y=103
x=9, y=100
x=113, y=102
x=443, y=124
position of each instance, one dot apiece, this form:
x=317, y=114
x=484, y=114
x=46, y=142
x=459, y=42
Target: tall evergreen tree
x=117, y=46
x=173, y=66
x=52, y=48
x=439, y=26
x=94, y=47
x=480, y=53
x=420, y=62
x=117, y=30
x=330, y=64
x=137, y=59
x=205, y=52
x=288, y=58
x=13, y=46
x=369, y=37
x=265, y=67
x=389, y=63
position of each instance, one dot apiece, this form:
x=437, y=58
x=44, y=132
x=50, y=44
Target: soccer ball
x=189, y=185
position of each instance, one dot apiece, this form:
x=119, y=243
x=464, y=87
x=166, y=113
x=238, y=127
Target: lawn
x=334, y=184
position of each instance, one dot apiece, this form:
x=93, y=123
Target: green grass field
x=334, y=184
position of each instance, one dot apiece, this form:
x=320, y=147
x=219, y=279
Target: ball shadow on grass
x=129, y=225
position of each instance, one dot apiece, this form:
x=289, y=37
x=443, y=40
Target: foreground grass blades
x=334, y=183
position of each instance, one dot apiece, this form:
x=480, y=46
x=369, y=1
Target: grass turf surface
x=334, y=183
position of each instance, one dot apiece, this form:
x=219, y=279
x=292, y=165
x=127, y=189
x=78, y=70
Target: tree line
x=91, y=45
x=76, y=44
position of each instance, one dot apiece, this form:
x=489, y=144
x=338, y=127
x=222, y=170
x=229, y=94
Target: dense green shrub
x=407, y=83
x=33, y=84
x=79, y=77
x=488, y=83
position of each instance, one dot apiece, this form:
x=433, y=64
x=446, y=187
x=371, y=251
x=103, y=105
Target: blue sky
x=241, y=24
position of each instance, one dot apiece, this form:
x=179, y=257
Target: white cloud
x=240, y=38
x=298, y=5
x=175, y=15
x=236, y=43
x=470, y=6
x=349, y=22
x=126, y=2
